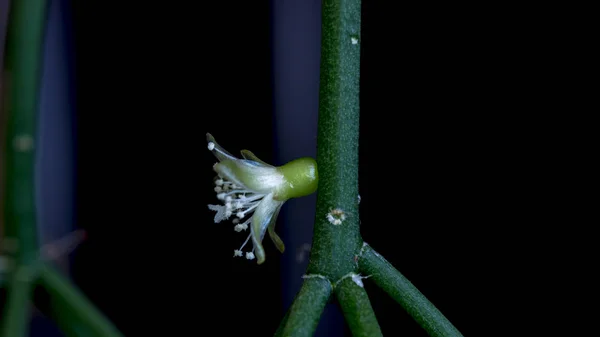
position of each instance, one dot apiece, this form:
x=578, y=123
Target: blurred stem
x=25, y=37
x=357, y=309
x=24, y=52
x=303, y=316
x=17, y=310
x=23, y=62
x=406, y=294
x=69, y=308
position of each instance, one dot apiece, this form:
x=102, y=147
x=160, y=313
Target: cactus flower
x=252, y=192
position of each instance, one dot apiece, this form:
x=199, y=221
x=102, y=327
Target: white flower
x=253, y=192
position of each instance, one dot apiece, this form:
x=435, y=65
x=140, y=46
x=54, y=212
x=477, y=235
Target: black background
x=449, y=190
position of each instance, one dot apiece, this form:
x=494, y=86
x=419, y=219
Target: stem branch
x=17, y=311
x=406, y=294
x=71, y=310
x=305, y=312
x=357, y=309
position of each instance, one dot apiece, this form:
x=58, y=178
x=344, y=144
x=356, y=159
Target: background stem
x=15, y=322
x=71, y=310
x=357, y=309
x=406, y=294
x=23, y=63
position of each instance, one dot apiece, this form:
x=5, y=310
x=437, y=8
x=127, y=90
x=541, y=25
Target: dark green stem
x=305, y=312
x=405, y=293
x=357, y=309
x=334, y=246
x=74, y=314
x=282, y=324
x=23, y=63
x=71, y=310
x=18, y=304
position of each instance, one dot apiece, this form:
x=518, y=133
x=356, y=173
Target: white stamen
x=250, y=256
x=245, y=242
x=211, y=146
x=237, y=252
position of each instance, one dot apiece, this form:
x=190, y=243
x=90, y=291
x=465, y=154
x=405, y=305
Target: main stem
x=336, y=239
x=334, y=246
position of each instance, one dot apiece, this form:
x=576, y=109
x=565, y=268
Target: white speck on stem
x=23, y=143
x=336, y=216
x=354, y=40
x=358, y=280
x=211, y=146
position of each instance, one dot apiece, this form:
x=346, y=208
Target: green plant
x=339, y=259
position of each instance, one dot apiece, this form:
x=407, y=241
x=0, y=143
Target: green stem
x=357, y=308
x=305, y=312
x=17, y=310
x=405, y=293
x=282, y=324
x=23, y=63
x=69, y=308
x=334, y=246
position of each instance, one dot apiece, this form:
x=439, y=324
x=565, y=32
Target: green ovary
x=301, y=178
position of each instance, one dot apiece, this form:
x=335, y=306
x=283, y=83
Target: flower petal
x=251, y=156
x=250, y=174
x=218, y=150
x=274, y=237
x=263, y=215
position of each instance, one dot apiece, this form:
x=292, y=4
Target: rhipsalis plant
x=339, y=259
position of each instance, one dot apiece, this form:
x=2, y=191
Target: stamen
x=245, y=242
